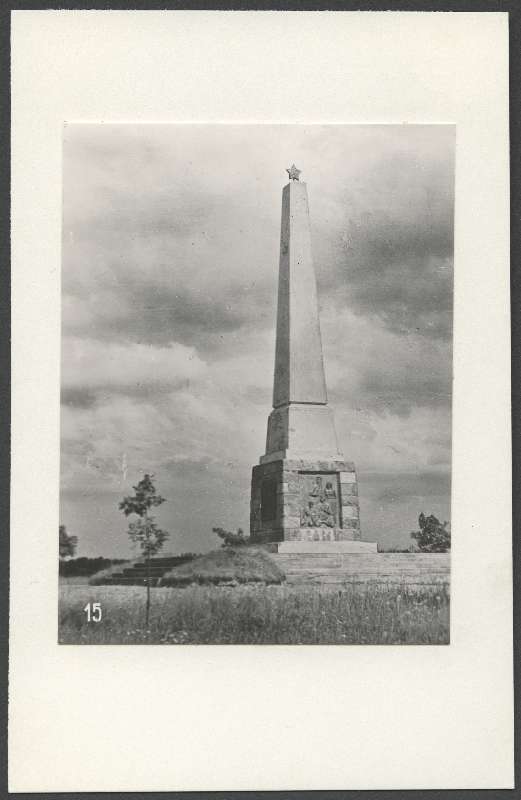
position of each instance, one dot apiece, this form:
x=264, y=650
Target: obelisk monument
x=302, y=490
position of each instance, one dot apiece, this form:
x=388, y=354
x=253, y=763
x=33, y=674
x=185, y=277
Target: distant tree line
x=83, y=566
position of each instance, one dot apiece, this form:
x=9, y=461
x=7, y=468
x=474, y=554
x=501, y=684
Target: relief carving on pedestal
x=318, y=501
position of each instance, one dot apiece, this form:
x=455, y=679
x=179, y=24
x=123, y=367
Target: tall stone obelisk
x=302, y=489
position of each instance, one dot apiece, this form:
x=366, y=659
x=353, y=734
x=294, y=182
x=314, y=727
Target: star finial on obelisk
x=293, y=173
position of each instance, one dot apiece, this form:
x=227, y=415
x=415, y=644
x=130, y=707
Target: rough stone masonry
x=302, y=490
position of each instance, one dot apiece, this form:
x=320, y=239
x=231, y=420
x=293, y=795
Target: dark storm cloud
x=398, y=391
x=74, y=397
x=86, y=398
x=194, y=316
x=191, y=256
x=155, y=253
x=157, y=314
x=140, y=214
x=391, y=257
x=385, y=487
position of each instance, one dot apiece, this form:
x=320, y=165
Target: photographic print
x=262, y=260
x=256, y=384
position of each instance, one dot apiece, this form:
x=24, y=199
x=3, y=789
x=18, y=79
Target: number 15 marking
x=93, y=612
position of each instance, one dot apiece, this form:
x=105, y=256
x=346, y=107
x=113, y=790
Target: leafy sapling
x=144, y=531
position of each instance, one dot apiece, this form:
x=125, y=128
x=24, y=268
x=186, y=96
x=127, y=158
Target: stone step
x=136, y=574
x=156, y=563
x=363, y=567
x=114, y=581
x=396, y=557
x=142, y=573
x=376, y=573
x=360, y=560
x=132, y=575
x=360, y=580
x=346, y=571
x=350, y=565
x=330, y=569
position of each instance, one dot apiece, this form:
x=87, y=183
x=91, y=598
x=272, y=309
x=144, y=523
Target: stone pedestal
x=304, y=500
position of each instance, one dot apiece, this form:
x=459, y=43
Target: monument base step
x=361, y=568
x=136, y=573
x=344, y=546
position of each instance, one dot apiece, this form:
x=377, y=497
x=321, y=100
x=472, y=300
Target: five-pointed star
x=293, y=173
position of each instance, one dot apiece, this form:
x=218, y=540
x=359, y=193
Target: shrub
x=231, y=539
x=433, y=537
x=67, y=544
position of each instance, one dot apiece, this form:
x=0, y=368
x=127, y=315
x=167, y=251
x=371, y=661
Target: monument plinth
x=302, y=489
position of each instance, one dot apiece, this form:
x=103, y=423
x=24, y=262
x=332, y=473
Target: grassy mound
x=228, y=566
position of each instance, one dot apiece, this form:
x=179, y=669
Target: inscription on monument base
x=321, y=534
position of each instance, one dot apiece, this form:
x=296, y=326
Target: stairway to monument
x=340, y=568
x=136, y=574
x=333, y=568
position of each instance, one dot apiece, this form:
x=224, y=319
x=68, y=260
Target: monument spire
x=299, y=369
x=302, y=489
x=301, y=423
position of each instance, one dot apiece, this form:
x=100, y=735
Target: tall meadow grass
x=347, y=614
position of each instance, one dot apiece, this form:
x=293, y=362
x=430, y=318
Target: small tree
x=433, y=537
x=67, y=544
x=144, y=530
x=231, y=539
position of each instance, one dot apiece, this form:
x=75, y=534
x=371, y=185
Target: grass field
x=353, y=614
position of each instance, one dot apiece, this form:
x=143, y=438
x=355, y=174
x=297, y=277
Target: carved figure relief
x=329, y=492
x=318, y=504
x=316, y=491
x=308, y=516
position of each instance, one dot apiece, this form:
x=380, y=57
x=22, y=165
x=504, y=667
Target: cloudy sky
x=170, y=261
